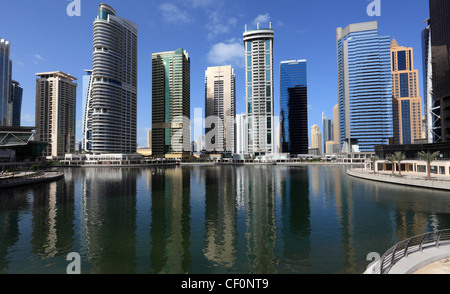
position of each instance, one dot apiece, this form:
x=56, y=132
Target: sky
x=44, y=37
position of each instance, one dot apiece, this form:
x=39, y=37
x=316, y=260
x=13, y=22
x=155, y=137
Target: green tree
x=391, y=159
x=399, y=157
x=428, y=157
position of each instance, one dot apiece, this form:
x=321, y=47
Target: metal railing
x=408, y=246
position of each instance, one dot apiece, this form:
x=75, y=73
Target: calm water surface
x=211, y=219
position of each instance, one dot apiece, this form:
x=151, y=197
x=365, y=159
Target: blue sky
x=44, y=38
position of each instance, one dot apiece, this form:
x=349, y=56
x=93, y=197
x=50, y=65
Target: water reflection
x=220, y=216
x=170, y=230
x=215, y=219
x=109, y=202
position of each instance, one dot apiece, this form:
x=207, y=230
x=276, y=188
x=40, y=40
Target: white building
x=259, y=89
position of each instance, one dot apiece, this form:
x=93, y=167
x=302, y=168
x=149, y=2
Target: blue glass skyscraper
x=365, y=87
x=294, y=107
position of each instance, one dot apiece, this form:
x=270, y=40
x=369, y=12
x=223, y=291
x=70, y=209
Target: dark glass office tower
x=16, y=102
x=440, y=51
x=171, y=104
x=294, y=107
x=5, y=81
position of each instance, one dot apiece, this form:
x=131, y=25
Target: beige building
x=336, y=125
x=220, y=108
x=316, y=138
x=56, y=112
x=406, y=104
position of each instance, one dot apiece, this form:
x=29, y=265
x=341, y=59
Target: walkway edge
x=438, y=185
x=45, y=177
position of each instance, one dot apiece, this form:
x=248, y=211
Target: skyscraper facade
x=294, y=107
x=407, y=104
x=5, y=82
x=316, y=138
x=440, y=53
x=112, y=97
x=171, y=104
x=432, y=127
x=87, y=112
x=259, y=89
x=16, y=93
x=336, y=125
x=327, y=130
x=56, y=112
x=364, y=86
x=241, y=134
x=220, y=108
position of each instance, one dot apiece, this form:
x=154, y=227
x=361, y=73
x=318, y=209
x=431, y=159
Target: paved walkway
x=431, y=260
x=408, y=180
x=32, y=179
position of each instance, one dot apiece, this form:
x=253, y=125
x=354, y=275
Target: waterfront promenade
x=25, y=178
x=410, y=179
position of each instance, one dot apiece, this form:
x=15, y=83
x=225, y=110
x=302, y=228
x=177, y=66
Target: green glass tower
x=170, y=104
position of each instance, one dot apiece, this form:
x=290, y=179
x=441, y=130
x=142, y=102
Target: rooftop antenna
x=270, y=25
x=257, y=25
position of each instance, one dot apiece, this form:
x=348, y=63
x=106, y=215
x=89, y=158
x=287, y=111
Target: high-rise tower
x=407, y=104
x=259, y=89
x=16, y=93
x=364, y=86
x=293, y=107
x=5, y=82
x=440, y=60
x=316, y=139
x=56, y=94
x=112, y=101
x=220, y=108
x=171, y=104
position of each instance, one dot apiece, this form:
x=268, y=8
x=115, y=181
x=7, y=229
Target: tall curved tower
x=259, y=90
x=111, y=104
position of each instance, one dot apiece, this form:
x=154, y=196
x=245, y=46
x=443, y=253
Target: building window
x=442, y=170
x=421, y=169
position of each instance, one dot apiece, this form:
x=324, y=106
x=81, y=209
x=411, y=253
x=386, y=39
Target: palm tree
x=399, y=156
x=391, y=159
x=374, y=159
x=428, y=157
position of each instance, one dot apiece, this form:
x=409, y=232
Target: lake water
x=211, y=219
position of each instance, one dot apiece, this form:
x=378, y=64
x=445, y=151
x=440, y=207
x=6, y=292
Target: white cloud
x=262, y=19
x=38, y=56
x=215, y=18
x=173, y=14
x=201, y=3
x=230, y=52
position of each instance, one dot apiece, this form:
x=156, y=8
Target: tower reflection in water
x=210, y=219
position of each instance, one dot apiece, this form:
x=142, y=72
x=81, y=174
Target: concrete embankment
x=32, y=179
x=404, y=180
